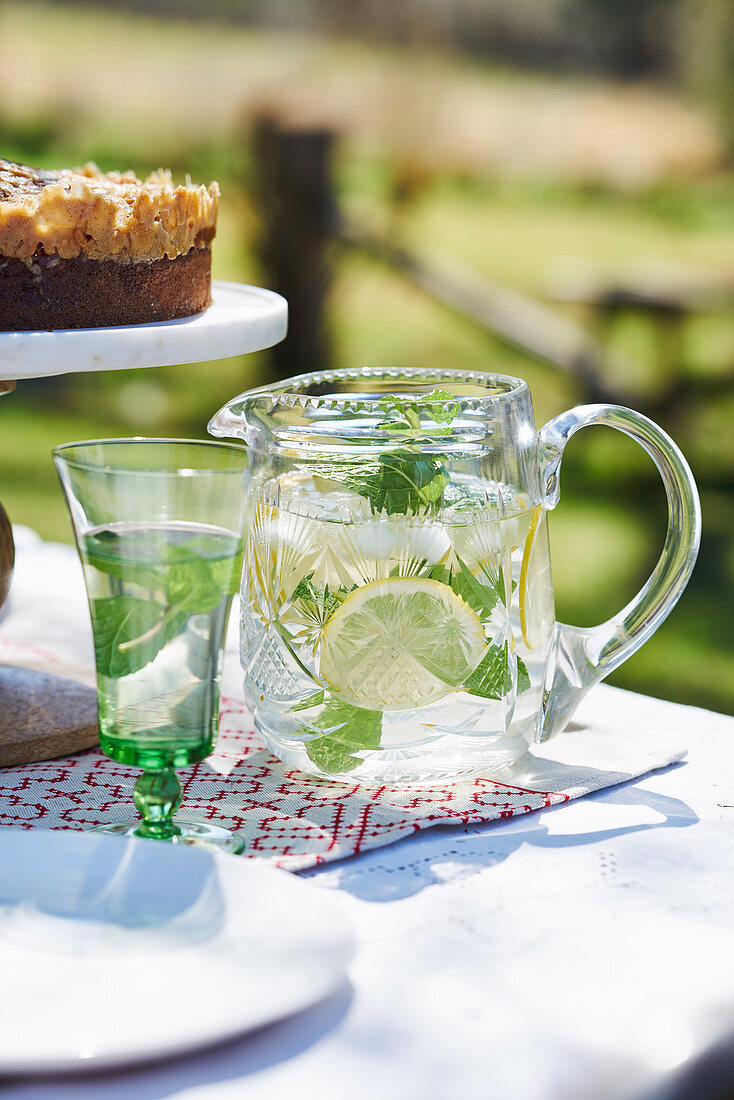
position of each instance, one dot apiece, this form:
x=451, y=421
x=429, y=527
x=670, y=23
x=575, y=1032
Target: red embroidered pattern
x=287, y=817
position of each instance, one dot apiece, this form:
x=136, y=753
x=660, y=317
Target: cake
x=84, y=249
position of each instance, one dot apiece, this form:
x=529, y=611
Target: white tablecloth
x=581, y=951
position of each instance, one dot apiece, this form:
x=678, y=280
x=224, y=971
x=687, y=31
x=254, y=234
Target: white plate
x=114, y=950
x=240, y=319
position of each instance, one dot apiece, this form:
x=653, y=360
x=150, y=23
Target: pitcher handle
x=580, y=658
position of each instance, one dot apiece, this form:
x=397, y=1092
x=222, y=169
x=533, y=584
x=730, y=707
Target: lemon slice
x=400, y=643
x=527, y=551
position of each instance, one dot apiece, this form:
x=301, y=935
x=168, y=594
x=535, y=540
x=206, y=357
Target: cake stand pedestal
x=43, y=715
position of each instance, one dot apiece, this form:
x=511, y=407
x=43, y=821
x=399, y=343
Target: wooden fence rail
x=304, y=230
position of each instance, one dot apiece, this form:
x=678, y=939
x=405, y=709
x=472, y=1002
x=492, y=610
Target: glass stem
x=157, y=796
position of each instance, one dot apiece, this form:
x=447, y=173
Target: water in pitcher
x=388, y=642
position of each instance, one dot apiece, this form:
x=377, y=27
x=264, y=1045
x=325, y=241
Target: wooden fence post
x=298, y=212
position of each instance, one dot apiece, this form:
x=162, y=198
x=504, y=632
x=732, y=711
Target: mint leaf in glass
x=155, y=585
x=130, y=633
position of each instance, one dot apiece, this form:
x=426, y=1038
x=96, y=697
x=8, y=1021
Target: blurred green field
x=609, y=526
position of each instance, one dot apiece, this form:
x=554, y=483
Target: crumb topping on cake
x=114, y=216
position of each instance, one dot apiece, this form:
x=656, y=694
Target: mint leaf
x=347, y=728
x=482, y=598
x=227, y=574
x=102, y=551
x=409, y=479
x=405, y=482
x=492, y=678
x=197, y=575
x=225, y=570
x=330, y=756
x=444, y=407
x=523, y=676
x=191, y=589
x=402, y=414
x=401, y=481
x=314, y=700
x=355, y=726
x=191, y=574
x=317, y=598
x=306, y=589
x=129, y=633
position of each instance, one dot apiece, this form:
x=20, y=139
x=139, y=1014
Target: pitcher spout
x=242, y=418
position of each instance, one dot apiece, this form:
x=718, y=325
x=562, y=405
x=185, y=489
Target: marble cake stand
x=43, y=715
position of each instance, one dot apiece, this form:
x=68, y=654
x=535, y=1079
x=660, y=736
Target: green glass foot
x=193, y=833
x=157, y=796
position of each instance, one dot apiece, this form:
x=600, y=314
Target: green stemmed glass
x=158, y=526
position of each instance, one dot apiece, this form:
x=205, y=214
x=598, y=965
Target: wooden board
x=7, y=549
x=7, y=555
x=44, y=716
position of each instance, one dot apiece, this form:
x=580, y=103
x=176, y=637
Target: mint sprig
x=176, y=582
x=407, y=479
x=405, y=482
x=403, y=415
x=399, y=482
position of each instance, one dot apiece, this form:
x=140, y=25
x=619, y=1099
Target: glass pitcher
x=398, y=620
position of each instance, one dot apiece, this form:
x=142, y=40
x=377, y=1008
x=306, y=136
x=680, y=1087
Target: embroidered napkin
x=296, y=821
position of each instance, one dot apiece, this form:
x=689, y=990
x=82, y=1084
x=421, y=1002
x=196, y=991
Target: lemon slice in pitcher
x=400, y=643
x=535, y=518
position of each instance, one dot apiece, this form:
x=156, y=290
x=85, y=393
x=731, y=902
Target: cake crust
x=101, y=216
x=55, y=293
